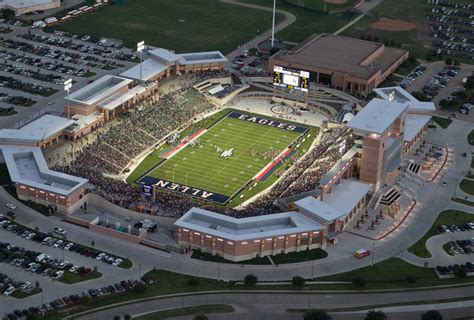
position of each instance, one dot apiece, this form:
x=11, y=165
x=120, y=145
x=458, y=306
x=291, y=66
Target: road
x=264, y=305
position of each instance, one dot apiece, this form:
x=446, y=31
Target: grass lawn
x=467, y=186
x=406, y=67
x=446, y=248
x=182, y=25
x=88, y=74
x=413, y=11
x=442, y=122
x=71, y=278
x=189, y=311
x=213, y=258
x=20, y=294
x=470, y=138
x=446, y=217
x=472, y=162
x=9, y=113
x=307, y=23
x=393, y=273
x=463, y=201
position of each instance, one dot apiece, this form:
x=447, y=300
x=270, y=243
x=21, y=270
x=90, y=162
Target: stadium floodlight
x=140, y=48
x=273, y=22
x=67, y=88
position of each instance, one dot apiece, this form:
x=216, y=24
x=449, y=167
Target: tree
x=449, y=61
x=32, y=316
x=298, y=281
x=8, y=13
x=358, y=281
x=456, y=63
x=444, y=103
x=411, y=279
x=194, y=282
x=250, y=280
x=431, y=315
x=368, y=38
x=412, y=59
x=200, y=317
x=117, y=318
x=376, y=39
x=85, y=300
x=37, y=284
x=140, y=288
x=460, y=272
x=375, y=315
x=127, y=317
x=316, y=315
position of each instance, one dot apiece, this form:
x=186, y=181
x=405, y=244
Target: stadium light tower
x=273, y=22
x=140, y=47
x=67, y=87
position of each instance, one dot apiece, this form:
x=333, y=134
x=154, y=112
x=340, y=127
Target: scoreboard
x=291, y=78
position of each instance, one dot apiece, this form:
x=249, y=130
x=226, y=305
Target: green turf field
x=201, y=165
x=181, y=25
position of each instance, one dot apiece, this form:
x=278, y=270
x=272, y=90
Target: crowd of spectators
x=152, y=119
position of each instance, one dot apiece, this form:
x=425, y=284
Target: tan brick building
x=348, y=64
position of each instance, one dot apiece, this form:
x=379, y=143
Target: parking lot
x=451, y=28
x=34, y=66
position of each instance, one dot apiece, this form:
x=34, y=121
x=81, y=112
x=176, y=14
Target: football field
x=201, y=165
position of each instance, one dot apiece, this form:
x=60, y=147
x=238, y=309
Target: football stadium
x=218, y=162
x=273, y=164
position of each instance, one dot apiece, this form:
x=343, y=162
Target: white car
x=57, y=275
x=10, y=206
x=117, y=262
x=9, y=291
x=100, y=256
x=57, y=243
x=60, y=231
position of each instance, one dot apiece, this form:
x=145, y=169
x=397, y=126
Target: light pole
x=67, y=88
x=273, y=22
x=373, y=253
x=140, y=48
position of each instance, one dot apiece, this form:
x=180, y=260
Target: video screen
x=291, y=78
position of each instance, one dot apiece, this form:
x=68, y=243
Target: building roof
x=202, y=57
x=120, y=98
x=19, y=4
x=414, y=124
x=358, y=58
x=26, y=165
x=377, y=116
x=164, y=55
x=35, y=131
x=98, y=90
x=150, y=69
x=82, y=121
x=257, y=227
x=345, y=196
x=398, y=94
x=318, y=209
